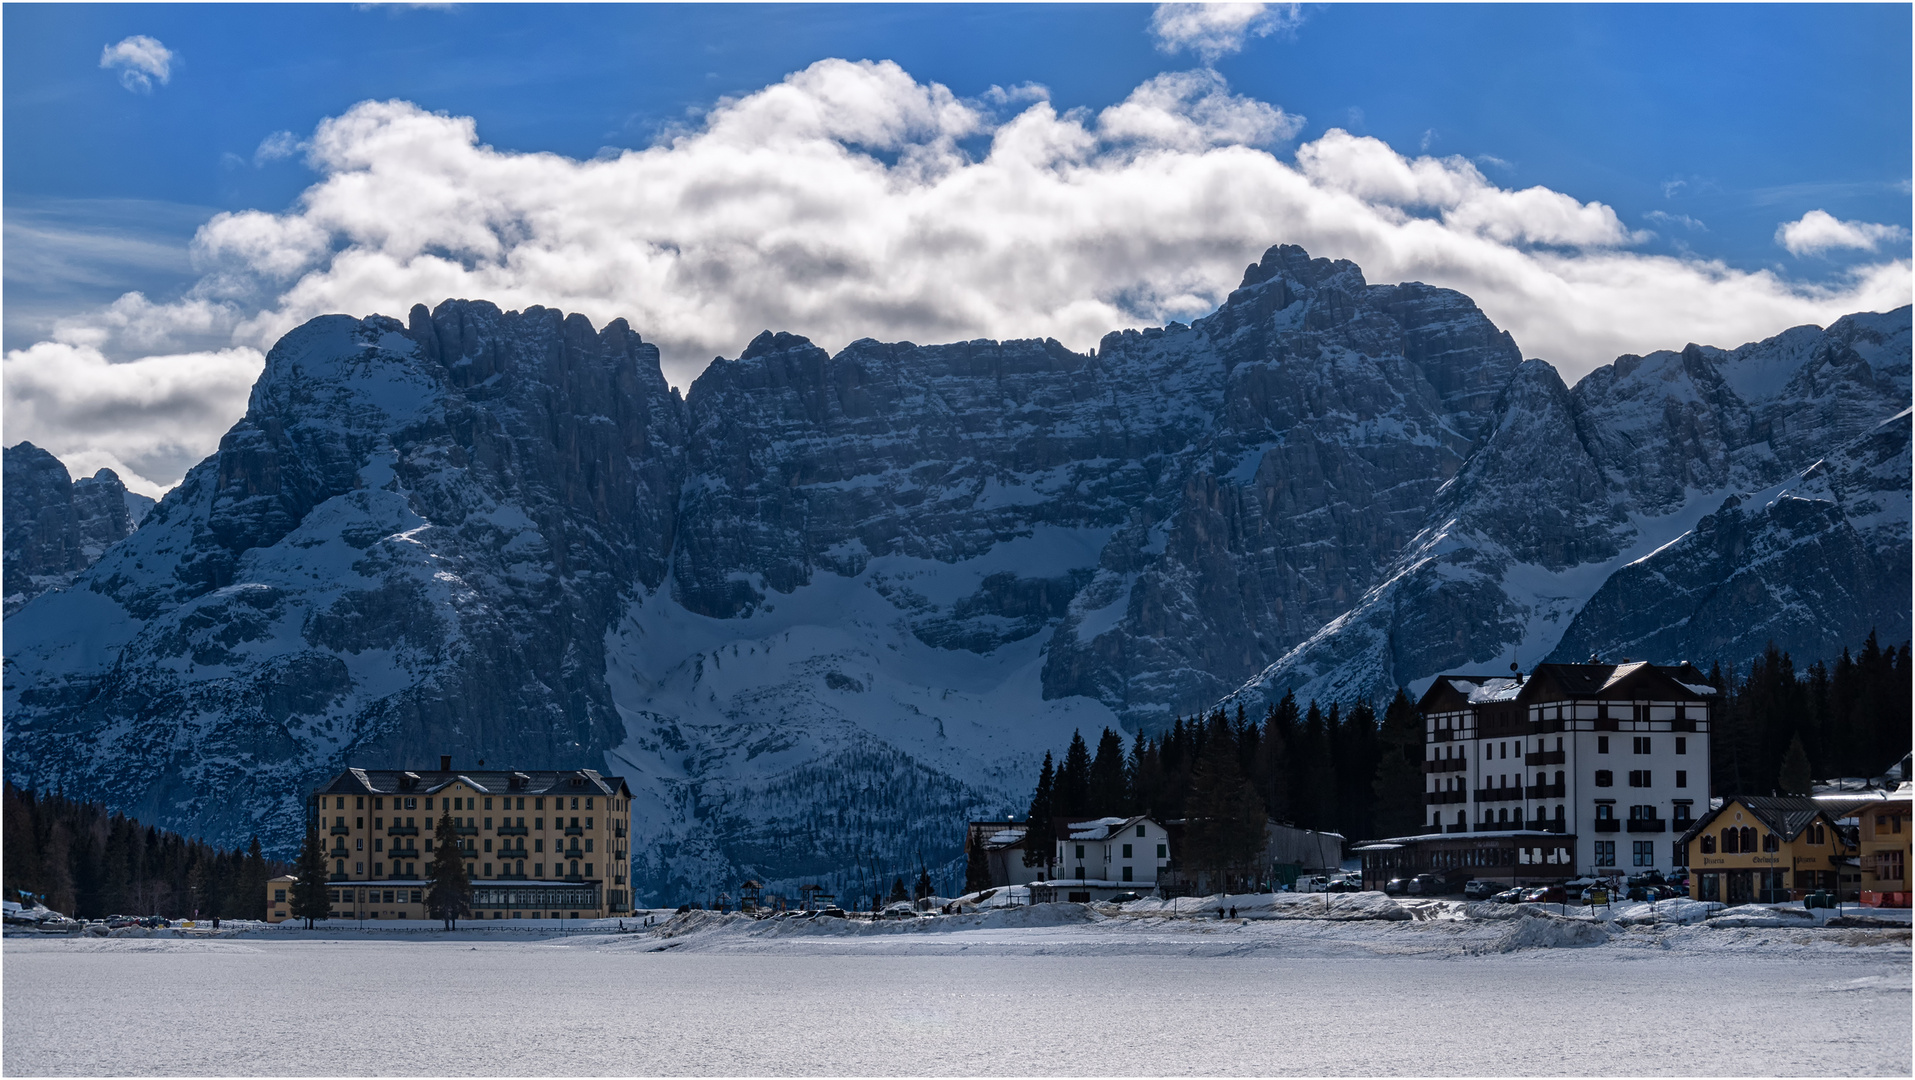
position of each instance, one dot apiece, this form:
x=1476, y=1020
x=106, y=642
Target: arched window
x=1502, y=817
x=1770, y=842
x=1708, y=844
x=1559, y=779
x=1516, y=816
x=1748, y=839
x=1460, y=819
x=1559, y=811
x=1729, y=841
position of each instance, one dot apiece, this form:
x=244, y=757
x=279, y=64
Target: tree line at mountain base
x=81, y=860
x=1349, y=772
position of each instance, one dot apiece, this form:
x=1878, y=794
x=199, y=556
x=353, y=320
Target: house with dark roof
x=1767, y=849
x=537, y=843
x=1570, y=769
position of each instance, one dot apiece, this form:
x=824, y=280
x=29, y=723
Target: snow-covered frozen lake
x=1164, y=997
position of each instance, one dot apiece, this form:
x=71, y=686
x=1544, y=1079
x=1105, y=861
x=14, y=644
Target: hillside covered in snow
x=821, y=608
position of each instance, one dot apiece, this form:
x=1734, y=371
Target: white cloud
x=840, y=203
x=1819, y=231
x=1663, y=217
x=148, y=419
x=1215, y=30
x=278, y=146
x=140, y=60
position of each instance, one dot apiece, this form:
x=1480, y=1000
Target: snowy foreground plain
x=1370, y=987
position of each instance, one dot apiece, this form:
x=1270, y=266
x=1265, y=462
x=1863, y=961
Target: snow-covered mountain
x=57, y=526
x=824, y=607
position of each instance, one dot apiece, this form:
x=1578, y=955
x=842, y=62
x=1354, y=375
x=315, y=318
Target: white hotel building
x=1573, y=769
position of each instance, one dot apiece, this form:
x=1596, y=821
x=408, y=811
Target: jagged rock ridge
x=824, y=603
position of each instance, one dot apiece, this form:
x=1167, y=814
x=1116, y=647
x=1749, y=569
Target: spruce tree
x=1794, y=777
x=251, y=883
x=923, y=888
x=977, y=867
x=1398, y=807
x=1073, y=780
x=898, y=891
x=309, y=892
x=1038, y=848
x=1107, y=798
x=450, y=894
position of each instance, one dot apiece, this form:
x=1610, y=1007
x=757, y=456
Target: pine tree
x=977, y=867
x=1794, y=777
x=1073, y=780
x=309, y=892
x=1106, y=785
x=898, y=891
x=251, y=884
x=450, y=894
x=923, y=888
x=1225, y=834
x=1398, y=807
x=1037, y=835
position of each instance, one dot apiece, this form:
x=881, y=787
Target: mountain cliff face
x=57, y=526
x=824, y=606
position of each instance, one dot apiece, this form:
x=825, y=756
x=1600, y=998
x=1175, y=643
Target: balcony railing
x=574, y=830
x=1437, y=798
x=1608, y=825
x=1647, y=825
x=1499, y=794
x=340, y=830
x=1438, y=766
x=466, y=830
x=1456, y=828
x=1547, y=757
x=512, y=830
x=1545, y=791
x=403, y=830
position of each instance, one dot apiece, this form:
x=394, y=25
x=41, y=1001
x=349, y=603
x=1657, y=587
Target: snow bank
x=1336, y=907
x=1535, y=929
x=1758, y=915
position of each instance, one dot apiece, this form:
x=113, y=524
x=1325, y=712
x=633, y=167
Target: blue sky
x=1703, y=128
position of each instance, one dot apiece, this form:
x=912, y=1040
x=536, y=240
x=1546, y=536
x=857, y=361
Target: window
x=279, y=896
x=1888, y=867
x=1643, y=853
x=488, y=821
x=1677, y=855
x=538, y=804
x=588, y=843
x=1639, y=778
x=1140, y=830
x=488, y=869
x=1127, y=873
x=1682, y=778
x=1163, y=851
x=538, y=845
x=488, y=843
x=1642, y=812
x=1488, y=751
x=488, y=802
x=342, y=803
x=588, y=802
x=1682, y=813
x=378, y=823
x=1502, y=749
x=428, y=802
x=1602, y=744
x=1817, y=835
x=1748, y=839
x=1080, y=851
x=1708, y=844
x=1605, y=811
x=538, y=823
x=1682, y=745
x=1639, y=745
x=1605, y=853
x=1731, y=841
x=1080, y=873
x=1771, y=842
x=1126, y=851
x=378, y=804
x=1605, y=778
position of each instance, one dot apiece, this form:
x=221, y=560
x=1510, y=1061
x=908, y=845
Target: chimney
x=445, y=762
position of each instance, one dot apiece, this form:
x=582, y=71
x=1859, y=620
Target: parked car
x=1343, y=885
x=1595, y=894
x=1315, y=883
x=1428, y=885
x=1396, y=886
x=1478, y=889
x=1647, y=877
x=1547, y=894
x=1125, y=898
x=1509, y=896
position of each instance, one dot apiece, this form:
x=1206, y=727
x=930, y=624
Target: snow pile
x=1336, y=907
x=1534, y=928
x=1758, y=915
x=1679, y=910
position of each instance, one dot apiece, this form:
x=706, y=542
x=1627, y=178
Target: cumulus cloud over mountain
x=852, y=200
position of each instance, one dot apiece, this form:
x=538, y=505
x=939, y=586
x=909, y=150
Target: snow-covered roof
x=1499, y=689
x=1005, y=838
x=1099, y=829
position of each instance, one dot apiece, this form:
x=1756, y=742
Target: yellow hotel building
x=1766, y=849
x=538, y=844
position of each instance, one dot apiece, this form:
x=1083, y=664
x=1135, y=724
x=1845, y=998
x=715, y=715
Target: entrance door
x=1741, y=886
x=1709, y=887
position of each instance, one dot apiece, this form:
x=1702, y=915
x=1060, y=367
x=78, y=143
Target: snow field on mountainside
x=1046, y=1001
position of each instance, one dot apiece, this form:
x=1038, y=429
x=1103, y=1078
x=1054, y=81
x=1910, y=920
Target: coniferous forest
x=81, y=860
x=1346, y=770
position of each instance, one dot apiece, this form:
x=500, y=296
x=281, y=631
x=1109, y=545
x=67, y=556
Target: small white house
x=1112, y=853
